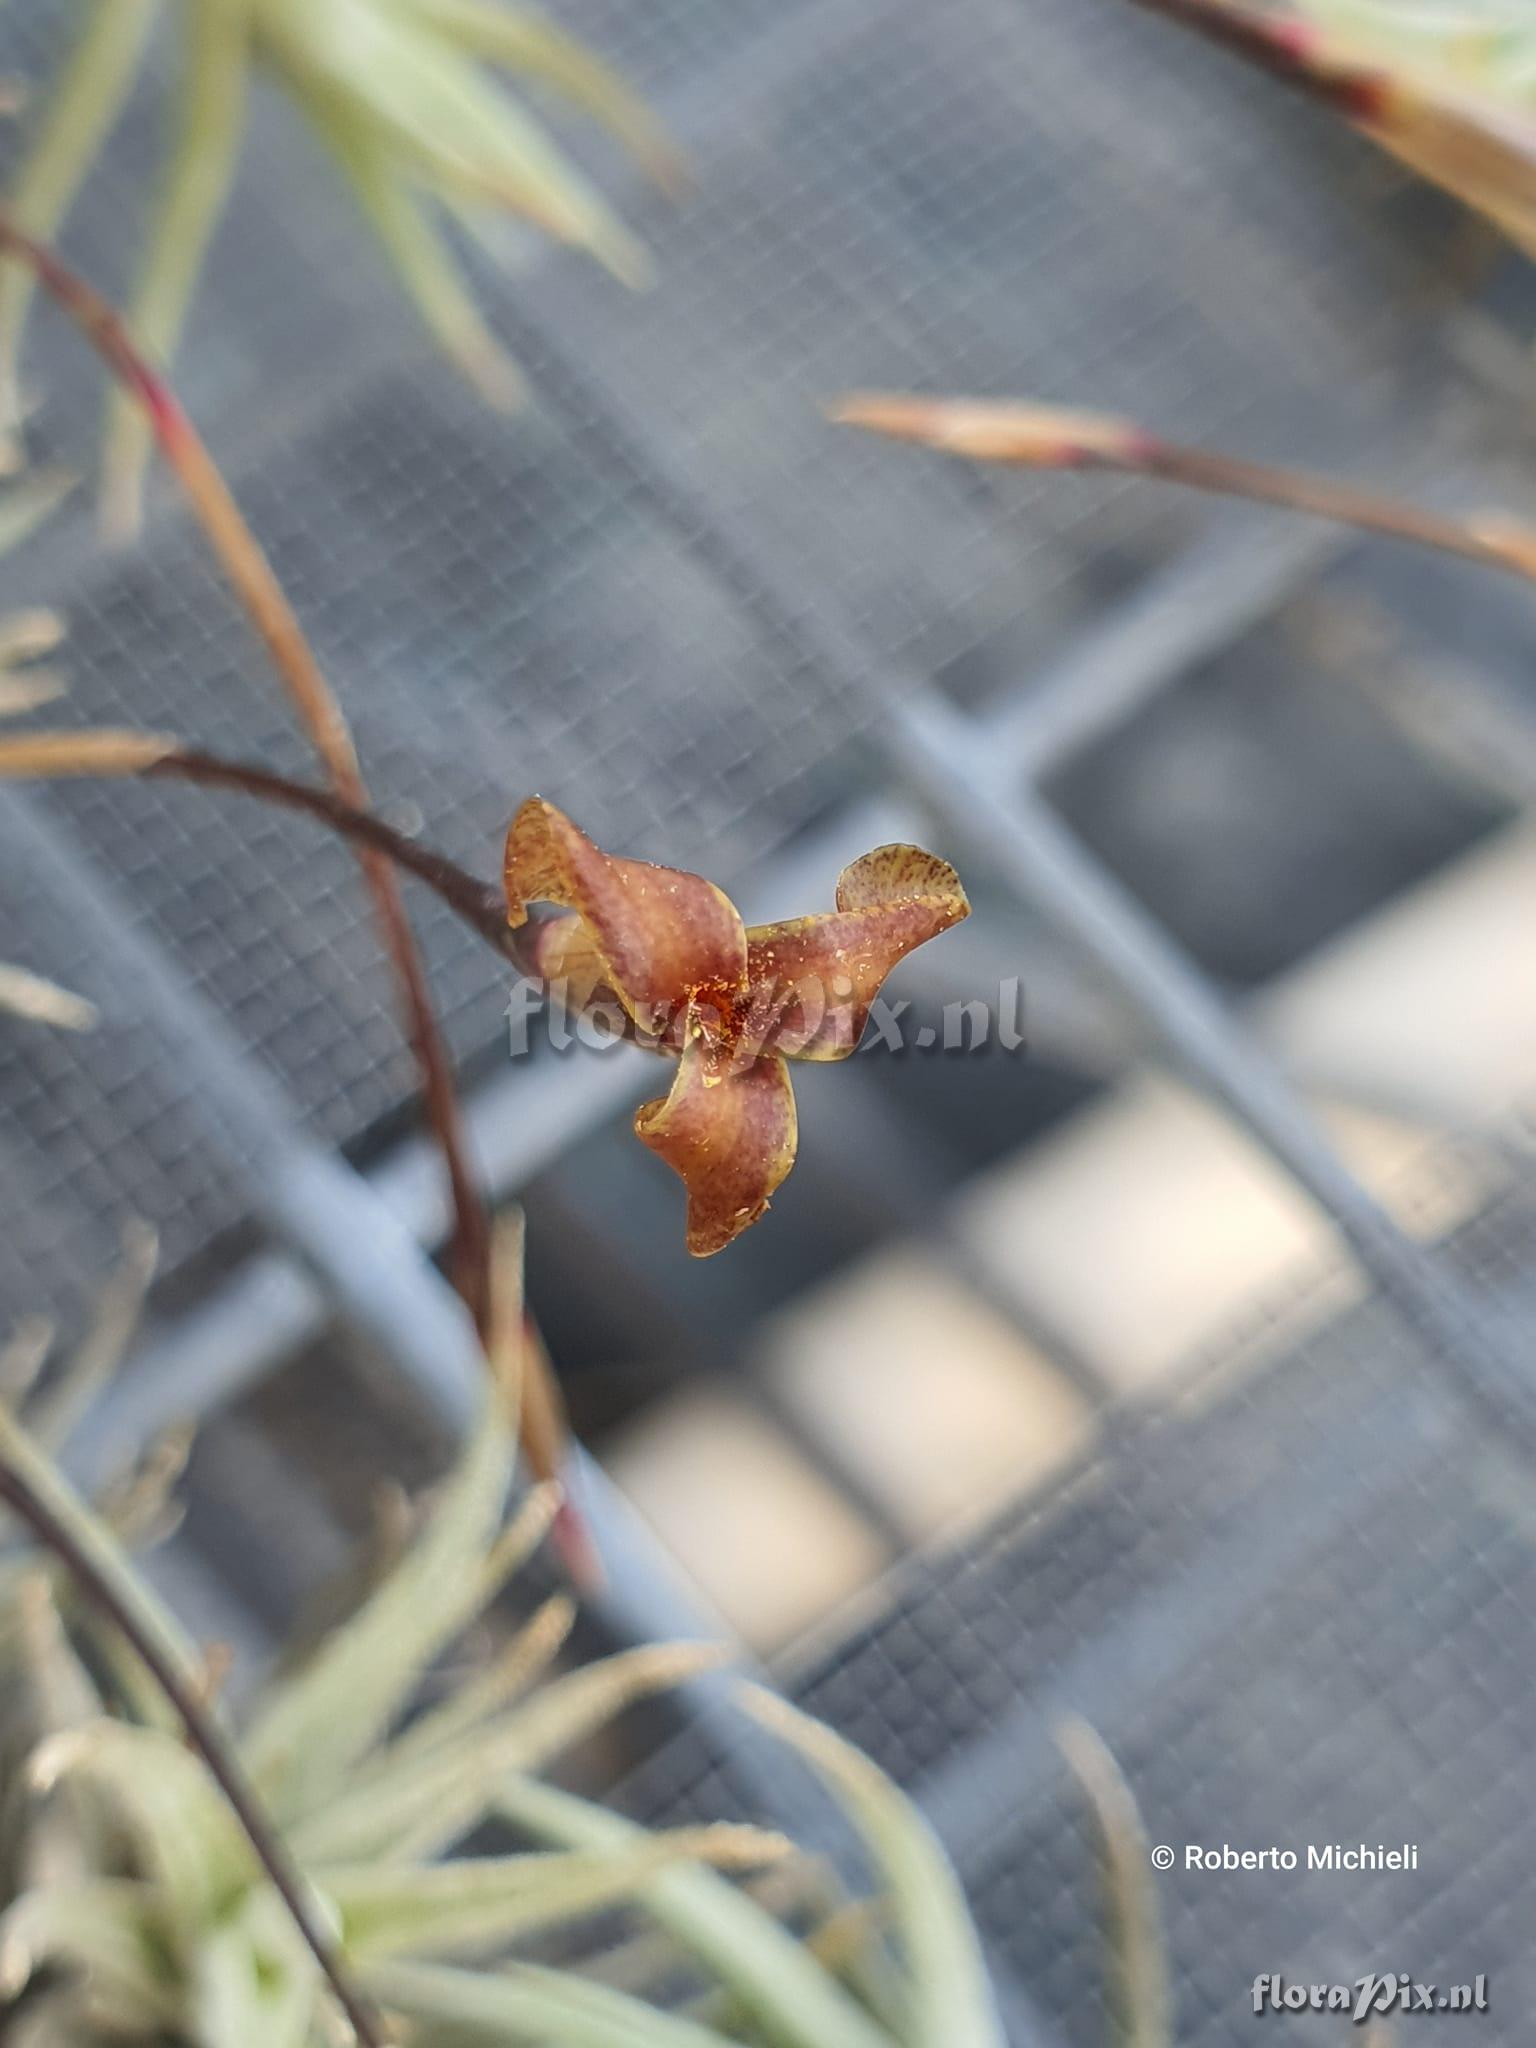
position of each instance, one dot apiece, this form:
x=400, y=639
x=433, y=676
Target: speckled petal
x=728, y=1130
x=813, y=979
x=662, y=936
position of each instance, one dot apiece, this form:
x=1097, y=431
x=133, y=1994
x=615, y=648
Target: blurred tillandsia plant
x=407, y=96
x=1489, y=43
x=1447, y=86
x=132, y=1907
x=26, y=683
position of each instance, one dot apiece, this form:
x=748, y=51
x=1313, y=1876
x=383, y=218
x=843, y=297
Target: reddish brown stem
x=1325, y=497
x=1027, y=436
x=1287, y=49
x=480, y=904
x=266, y=604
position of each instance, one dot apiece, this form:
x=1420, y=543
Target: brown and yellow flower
x=731, y=1002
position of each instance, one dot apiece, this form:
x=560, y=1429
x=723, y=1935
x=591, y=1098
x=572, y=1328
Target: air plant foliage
x=132, y=1907
x=1450, y=90
x=413, y=102
x=26, y=683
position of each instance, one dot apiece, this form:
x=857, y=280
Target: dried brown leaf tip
x=731, y=1002
x=1038, y=436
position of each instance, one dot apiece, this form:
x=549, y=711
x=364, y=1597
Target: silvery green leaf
x=61, y=1840
x=81, y=112
x=523, y=42
x=63, y=1403
x=422, y=1805
x=107, y=1928
x=474, y=1701
x=1140, y=1997
x=793, y=2001
x=333, y=1710
x=194, y=186
x=138, y=1504
x=22, y=1357
x=444, y=120
x=183, y=1830
x=425, y=265
x=24, y=506
x=525, y=2003
x=948, y=1998
x=254, y=1983
x=101, y=1548
x=479, y=1905
x=40, y=1001
x=39, y=630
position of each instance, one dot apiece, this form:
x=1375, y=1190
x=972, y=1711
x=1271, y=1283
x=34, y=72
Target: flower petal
x=728, y=1129
x=663, y=936
x=813, y=979
x=562, y=952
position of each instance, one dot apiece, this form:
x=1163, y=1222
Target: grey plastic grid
x=980, y=198
x=1009, y=195
x=1299, y=1606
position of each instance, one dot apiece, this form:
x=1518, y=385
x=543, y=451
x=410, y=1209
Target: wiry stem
x=1043, y=437
x=480, y=904
x=206, y=1737
x=266, y=604
x=1290, y=50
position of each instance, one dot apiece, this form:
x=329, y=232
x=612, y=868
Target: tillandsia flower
x=731, y=1002
x=407, y=97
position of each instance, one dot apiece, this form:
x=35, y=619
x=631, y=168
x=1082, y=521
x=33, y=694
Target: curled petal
x=663, y=937
x=728, y=1130
x=561, y=951
x=813, y=979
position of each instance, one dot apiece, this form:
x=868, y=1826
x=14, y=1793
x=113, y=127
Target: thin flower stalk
x=662, y=952
x=1045, y=437
x=266, y=605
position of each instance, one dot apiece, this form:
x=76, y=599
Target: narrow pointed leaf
x=65, y=1401
x=183, y=1829
x=102, y=750
x=477, y=1700
x=40, y=1001
x=479, y=1905
x=948, y=1997
x=24, y=507
x=423, y=1805
x=253, y=1981
x=85, y=104
x=523, y=42
x=794, y=2002
x=1140, y=1996
x=333, y=1711
x=105, y=1928
x=464, y=2007
x=425, y=265
x=98, y=1544
x=194, y=188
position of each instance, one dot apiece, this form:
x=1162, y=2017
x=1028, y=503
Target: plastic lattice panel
x=1300, y=1611
x=1002, y=195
